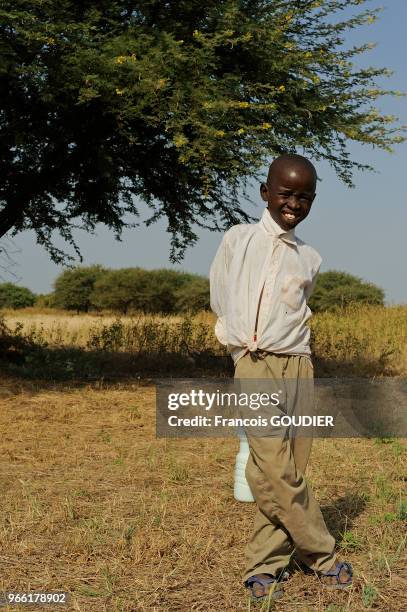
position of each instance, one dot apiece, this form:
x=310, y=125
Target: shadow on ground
x=24, y=357
x=73, y=363
x=341, y=514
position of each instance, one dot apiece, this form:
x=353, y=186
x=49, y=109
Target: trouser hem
x=277, y=570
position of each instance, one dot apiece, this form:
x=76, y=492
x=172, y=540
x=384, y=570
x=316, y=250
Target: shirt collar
x=272, y=227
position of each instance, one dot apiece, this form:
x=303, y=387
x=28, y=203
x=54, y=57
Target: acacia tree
x=335, y=289
x=14, y=296
x=176, y=103
x=73, y=288
x=138, y=289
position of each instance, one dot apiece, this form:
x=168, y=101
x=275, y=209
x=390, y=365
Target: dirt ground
x=94, y=504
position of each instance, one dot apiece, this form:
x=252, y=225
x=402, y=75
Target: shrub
x=150, y=291
x=193, y=296
x=73, y=288
x=335, y=289
x=13, y=296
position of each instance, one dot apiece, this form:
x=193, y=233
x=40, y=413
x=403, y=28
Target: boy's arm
x=218, y=289
x=310, y=288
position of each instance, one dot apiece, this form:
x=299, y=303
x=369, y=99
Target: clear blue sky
x=361, y=230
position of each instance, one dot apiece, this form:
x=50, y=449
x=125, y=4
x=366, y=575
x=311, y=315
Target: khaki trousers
x=288, y=516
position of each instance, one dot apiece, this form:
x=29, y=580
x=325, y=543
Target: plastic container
x=241, y=490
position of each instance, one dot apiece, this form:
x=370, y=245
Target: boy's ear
x=264, y=192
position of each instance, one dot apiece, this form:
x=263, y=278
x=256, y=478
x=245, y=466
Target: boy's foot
x=338, y=577
x=264, y=586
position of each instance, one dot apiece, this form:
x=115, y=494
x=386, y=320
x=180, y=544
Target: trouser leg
x=287, y=502
x=288, y=515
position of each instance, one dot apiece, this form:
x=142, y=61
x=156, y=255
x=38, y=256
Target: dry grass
x=94, y=504
x=367, y=341
x=64, y=328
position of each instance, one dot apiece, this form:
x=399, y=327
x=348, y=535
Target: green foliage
x=13, y=296
x=120, y=289
x=73, y=288
x=369, y=595
x=402, y=510
x=165, y=291
x=336, y=289
x=350, y=541
x=177, y=103
x=193, y=296
x=45, y=300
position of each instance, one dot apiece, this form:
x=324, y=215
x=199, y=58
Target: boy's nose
x=294, y=202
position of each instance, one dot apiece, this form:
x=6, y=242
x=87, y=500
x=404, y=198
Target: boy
x=260, y=279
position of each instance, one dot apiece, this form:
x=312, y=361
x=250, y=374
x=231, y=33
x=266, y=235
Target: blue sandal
x=272, y=593
x=335, y=573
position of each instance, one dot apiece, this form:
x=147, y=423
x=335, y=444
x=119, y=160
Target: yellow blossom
x=240, y=131
x=265, y=125
x=229, y=32
x=281, y=88
x=119, y=92
x=180, y=140
x=161, y=83
x=122, y=59
x=219, y=133
x=244, y=105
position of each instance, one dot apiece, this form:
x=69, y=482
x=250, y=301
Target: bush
x=45, y=300
x=193, y=296
x=120, y=289
x=13, y=296
x=336, y=289
x=73, y=288
x=150, y=291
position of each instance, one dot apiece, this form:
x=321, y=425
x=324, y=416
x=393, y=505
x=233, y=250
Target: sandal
x=335, y=573
x=275, y=592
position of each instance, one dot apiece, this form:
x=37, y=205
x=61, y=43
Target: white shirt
x=253, y=256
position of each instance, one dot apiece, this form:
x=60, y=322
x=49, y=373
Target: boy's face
x=289, y=193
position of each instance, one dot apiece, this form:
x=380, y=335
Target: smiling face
x=290, y=190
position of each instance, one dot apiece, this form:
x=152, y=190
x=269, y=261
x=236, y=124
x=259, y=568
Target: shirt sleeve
x=218, y=289
x=310, y=288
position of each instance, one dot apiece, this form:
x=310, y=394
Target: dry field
x=93, y=503
x=363, y=341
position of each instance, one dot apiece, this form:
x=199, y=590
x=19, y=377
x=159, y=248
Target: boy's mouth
x=289, y=215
